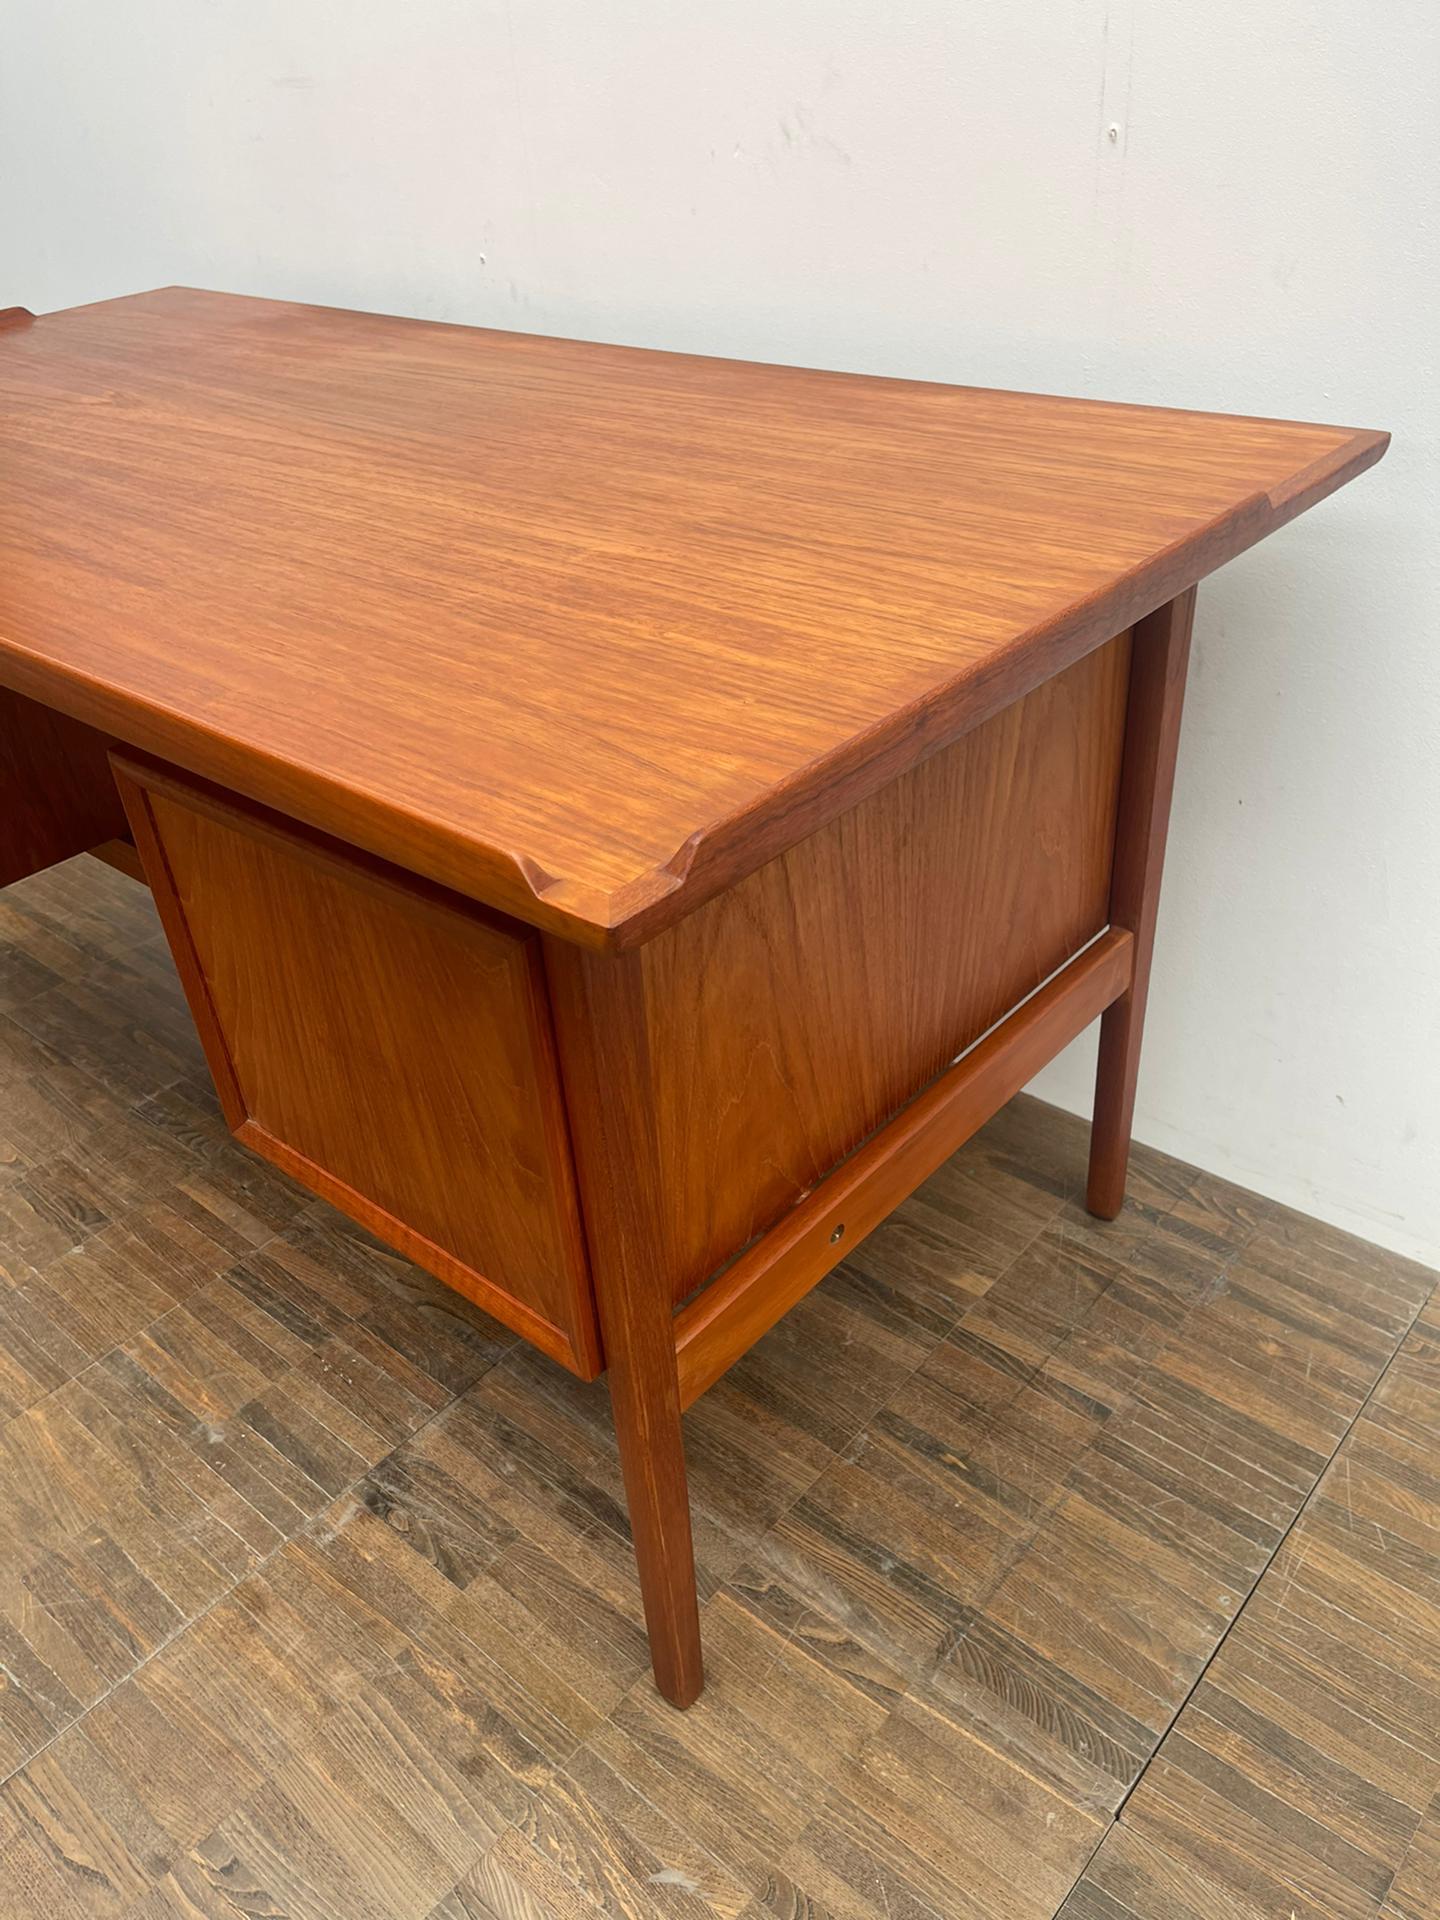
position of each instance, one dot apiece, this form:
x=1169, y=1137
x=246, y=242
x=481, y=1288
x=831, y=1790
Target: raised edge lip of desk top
x=581, y=631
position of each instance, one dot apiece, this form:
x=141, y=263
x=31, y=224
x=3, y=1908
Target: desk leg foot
x=652, y=1458
x=1159, y=655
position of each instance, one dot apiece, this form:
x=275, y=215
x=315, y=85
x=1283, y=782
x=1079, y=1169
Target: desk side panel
x=792, y=1016
x=387, y=1046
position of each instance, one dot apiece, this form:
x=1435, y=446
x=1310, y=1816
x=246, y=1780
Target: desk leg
x=1160, y=652
x=645, y=1395
x=600, y=1019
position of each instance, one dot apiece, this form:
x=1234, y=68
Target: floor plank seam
x=1254, y=1588
x=1213, y=1291
x=1375, y=1387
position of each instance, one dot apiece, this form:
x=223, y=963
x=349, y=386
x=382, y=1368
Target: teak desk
x=621, y=819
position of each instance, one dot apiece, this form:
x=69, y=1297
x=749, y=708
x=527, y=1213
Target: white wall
x=924, y=189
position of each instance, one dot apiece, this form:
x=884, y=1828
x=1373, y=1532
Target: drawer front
x=387, y=1044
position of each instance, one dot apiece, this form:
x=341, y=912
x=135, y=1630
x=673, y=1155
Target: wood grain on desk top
x=584, y=631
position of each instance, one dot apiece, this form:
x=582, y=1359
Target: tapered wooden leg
x=1160, y=653
x=599, y=1007
x=644, y=1391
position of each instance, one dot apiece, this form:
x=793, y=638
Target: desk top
x=587, y=632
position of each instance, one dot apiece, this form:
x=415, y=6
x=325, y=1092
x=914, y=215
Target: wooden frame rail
x=759, y=1288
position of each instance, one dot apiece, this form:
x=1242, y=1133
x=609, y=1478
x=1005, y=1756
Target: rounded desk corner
x=1362, y=448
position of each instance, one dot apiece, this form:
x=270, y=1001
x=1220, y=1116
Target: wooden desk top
x=584, y=631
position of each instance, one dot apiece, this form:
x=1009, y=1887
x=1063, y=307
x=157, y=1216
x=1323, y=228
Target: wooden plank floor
x=1048, y=1567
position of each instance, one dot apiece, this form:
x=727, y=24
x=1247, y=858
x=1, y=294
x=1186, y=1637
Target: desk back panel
x=790, y=1017
x=385, y=1043
x=57, y=794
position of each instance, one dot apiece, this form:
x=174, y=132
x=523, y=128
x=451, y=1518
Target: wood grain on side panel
x=792, y=1016
x=384, y=1043
x=57, y=794
x=745, y=1301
